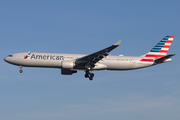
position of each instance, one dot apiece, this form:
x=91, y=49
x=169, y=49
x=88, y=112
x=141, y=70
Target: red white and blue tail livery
x=159, y=51
x=101, y=60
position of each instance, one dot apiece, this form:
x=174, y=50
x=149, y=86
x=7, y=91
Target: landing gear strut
x=89, y=75
x=20, y=69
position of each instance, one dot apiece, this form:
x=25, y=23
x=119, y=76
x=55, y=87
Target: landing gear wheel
x=92, y=75
x=86, y=75
x=89, y=75
x=20, y=71
x=90, y=78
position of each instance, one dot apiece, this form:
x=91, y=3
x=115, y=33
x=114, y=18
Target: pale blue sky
x=81, y=26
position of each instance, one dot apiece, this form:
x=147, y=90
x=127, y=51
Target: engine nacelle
x=68, y=64
x=67, y=72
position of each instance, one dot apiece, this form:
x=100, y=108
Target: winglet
x=118, y=43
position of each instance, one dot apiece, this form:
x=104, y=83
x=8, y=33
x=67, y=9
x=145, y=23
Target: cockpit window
x=10, y=55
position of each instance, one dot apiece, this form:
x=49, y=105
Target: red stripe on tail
x=159, y=56
x=147, y=60
x=169, y=41
x=163, y=51
x=166, y=46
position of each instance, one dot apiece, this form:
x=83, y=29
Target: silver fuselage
x=54, y=60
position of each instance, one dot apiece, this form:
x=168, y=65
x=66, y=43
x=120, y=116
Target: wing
x=90, y=60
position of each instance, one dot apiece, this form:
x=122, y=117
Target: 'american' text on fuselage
x=47, y=57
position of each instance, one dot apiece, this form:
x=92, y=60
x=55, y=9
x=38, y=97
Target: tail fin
x=159, y=51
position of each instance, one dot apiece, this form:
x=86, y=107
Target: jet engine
x=67, y=72
x=68, y=64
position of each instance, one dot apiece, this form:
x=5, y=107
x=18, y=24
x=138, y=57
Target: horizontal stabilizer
x=163, y=59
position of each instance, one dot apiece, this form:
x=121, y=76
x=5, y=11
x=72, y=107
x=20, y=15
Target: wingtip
x=118, y=43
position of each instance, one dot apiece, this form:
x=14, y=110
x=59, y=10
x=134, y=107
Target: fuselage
x=55, y=60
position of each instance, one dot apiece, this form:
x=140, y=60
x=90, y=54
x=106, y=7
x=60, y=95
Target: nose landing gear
x=20, y=69
x=89, y=75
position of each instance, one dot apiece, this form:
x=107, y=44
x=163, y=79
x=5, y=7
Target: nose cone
x=8, y=60
x=5, y=59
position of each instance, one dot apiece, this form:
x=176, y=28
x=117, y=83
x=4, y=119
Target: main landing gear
x=89, y=75
x=20, y=69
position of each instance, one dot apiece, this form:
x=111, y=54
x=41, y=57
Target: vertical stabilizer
x=159, y=51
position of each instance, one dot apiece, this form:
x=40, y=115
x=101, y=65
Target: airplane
x=101, y=60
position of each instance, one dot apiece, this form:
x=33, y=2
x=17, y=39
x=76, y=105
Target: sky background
x=87, y=26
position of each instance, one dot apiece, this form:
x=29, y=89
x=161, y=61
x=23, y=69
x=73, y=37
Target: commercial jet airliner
x=101, y=60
